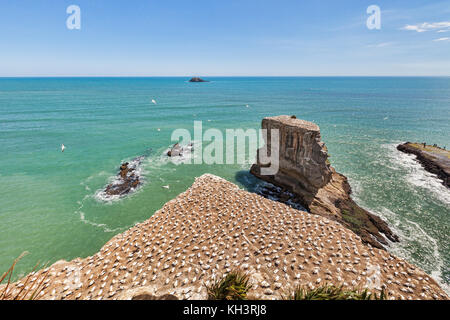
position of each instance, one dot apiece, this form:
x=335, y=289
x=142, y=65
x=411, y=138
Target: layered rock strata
x=215, y=227
x=304, y=170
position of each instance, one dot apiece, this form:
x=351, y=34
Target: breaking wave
x=416, y=175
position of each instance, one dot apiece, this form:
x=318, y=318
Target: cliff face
x=303, y=166
x=213, y=228
x=305, y=171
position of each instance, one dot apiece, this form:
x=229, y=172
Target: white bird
x=246, y=105
x=153, y=101
x=165, y=187
x=159, y=129
x=62, y=147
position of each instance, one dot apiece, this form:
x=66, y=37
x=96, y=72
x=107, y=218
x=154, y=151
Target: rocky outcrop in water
x=304, y=170
x=197, y=79
x=127, y=180
x=175, y=151
x=434, y=159
x=178, y=150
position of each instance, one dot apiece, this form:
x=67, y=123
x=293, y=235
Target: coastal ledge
x=305, y=171
x=213, y=228
x=434, y=159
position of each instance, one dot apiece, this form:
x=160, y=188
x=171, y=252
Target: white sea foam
x=186, y=156
x=409, y=232
x=102, y=226
x=356, y=185
x=98, y=225
x=416, y=175
x=100, y=196
x=139, y=170
x=93, y=176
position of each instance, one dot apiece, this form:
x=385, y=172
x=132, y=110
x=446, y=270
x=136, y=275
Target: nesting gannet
x=153, y=101
x=62, y=147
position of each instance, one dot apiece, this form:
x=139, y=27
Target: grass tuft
x=28, y=291
x=331, y=292
x=234, y=286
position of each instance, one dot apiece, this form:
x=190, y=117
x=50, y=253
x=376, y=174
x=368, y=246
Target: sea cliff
x=304, y=170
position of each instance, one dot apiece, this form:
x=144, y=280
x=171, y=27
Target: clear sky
x=224, y=38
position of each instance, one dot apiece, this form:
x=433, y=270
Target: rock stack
x=304, y=170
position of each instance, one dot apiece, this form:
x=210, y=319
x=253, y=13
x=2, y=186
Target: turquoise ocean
x=49, y=203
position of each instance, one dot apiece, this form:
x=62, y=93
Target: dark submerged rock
x=175, y=151
x=178, y=150
x=127, y=179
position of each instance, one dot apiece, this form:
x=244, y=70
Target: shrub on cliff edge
x=234, y=286
x=331, y=292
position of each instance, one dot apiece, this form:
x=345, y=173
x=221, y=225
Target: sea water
x=51, y=204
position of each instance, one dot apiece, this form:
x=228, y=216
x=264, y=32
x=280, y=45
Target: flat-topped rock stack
x=304, y=170
x=215, y=227
x=303, y=165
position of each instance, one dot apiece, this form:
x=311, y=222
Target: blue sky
x=224, y=38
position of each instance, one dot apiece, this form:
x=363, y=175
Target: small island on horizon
x=197, y=79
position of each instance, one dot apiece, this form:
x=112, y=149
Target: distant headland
x=433, y=158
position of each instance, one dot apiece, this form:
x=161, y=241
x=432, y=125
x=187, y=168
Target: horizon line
x=229, y=76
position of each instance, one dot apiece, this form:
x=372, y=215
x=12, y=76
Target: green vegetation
x=331, y=292
x=234, y=286
x=354, y=216
x=350, y=219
